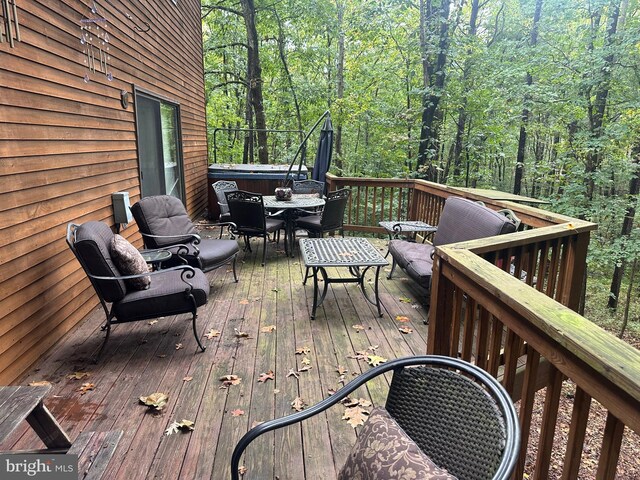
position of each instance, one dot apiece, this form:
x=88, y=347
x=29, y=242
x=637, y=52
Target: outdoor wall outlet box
x=121, y=207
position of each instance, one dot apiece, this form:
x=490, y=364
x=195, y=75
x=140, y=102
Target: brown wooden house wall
x=67, y=145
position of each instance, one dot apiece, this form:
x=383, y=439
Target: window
x=159, y=146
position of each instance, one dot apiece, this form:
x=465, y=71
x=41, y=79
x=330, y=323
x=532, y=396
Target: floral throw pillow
x=384, y=452
x=129, y=262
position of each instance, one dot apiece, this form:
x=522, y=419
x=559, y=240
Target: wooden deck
x=143, y=358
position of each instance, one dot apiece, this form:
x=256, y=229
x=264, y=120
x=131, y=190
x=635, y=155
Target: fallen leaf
x=358, y=327
x=402, y=318
x=275, y=290
x=268, y=329
x=86, y=387
x=152, y=322
x=276, y=391
x=331, y=391
x=341, y=370
x=406, y=330
x=244, y=301
x=373, y=348
x=240, y=334
x=255, y=423
x=349, y=402
x=375, y=360
x=161, y=356
x=78, y=375
x=179, y=346
x=266, y=376
x=363, y=402
x=355, y=416
x=292, y=373
x=187, y=379
x=306, y=361
x=303, y=350
x=237, y=412
x=184, y=425
x=405, y=299
x=228, y=380
x=305, y=368
x=360, y=355
x=298, y=404
x=242, y=470
x=156, y=400
x=212, y=333
x=417, y=306
x=40, y=383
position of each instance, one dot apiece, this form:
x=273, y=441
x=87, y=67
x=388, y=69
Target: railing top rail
x=609, y=356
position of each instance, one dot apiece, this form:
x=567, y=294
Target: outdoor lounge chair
x=453, y=412
x=172, y=291
x=164, y=223
x=460, y=220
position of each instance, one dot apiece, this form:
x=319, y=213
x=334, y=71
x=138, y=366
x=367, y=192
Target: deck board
x=142, y=358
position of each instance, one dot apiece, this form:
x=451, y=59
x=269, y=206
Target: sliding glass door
x=159, y=146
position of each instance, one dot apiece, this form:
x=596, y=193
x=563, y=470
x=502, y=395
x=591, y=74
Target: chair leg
x=264, y=249
x=235, y=276
x=195, y=331
x=106, y=327
x=393, y=267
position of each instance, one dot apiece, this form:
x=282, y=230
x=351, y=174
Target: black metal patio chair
x=249, y=219
x=331, y=218
x=219, y=188
x=164, y=223
x=457, y=414
x=308, y=186
x=172, y=291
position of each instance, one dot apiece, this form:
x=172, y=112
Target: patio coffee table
x=355, y=253
x=395, y=228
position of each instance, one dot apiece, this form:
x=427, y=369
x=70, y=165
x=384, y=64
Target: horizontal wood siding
x=67, y=145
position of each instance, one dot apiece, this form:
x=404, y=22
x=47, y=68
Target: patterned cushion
x=384, y=451
x=129, y=262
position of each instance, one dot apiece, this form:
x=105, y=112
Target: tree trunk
x=627, y=226
x=340, y=6
x=598, y=108
x=524, y=119
x=254, y=78
x=462, y=112
x=435, y=79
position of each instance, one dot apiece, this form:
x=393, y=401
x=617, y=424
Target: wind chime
x=94, y=39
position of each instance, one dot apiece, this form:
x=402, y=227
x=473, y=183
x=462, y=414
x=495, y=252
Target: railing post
x=575, y=264
x=440, y=312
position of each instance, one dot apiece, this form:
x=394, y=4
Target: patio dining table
x=289, y=209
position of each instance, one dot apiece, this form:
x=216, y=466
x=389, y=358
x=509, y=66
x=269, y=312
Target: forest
x=534, y=97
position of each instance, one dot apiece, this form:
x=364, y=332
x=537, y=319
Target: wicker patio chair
x=456, y=413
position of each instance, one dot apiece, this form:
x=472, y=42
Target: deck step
x=94, y=450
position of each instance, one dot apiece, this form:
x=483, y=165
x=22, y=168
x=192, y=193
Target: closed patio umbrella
x=325, y=151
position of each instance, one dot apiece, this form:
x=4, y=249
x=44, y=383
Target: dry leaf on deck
x=40, y=383
x=78, y=375
x=179, y=346
x=302, y=350
x=363, y=402
x=358, y=327
x=242, y=470
x=355, y=416
x=268, y=329
x=244, y=301
x=406, y=330
x=240, y=334
x=341, y=370
x=375, y=360
x=155, y=400
x=187, y=379
x=402, y=318
x=152, y=322
x=306, y=361
x=212, y=333
x=86, y=387
x=228, y=380
x=184, y=425
x=237, y=412
x=360, y=355
x=305, y=368
x=292, y=373
x=350, y=402
x=298, y=404
x=266, y=376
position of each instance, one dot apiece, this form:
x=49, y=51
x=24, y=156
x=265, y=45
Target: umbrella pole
x=304, y=142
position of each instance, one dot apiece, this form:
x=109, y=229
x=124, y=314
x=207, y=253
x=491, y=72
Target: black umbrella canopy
x=325, y=151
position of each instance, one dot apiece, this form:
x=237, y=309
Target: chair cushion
x=405, y=252
x=273, y=224
x=130, y=262
x=312, y=222
x=165, y=296
x=215, y=252
x=384, y=451
x=92, y=241
x=163, y=215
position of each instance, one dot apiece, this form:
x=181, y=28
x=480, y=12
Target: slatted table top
x=16, y=404
x=340, y=252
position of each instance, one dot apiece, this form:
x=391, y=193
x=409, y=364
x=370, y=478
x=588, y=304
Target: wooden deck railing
x=509, y=304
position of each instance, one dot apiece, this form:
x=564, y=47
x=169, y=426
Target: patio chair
x=219, y=188
x=308, y=186
x=164, y=223
x=249, y=218
x=460, y=220
x=446, y=409
x=172, y=291
x=331, y=218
